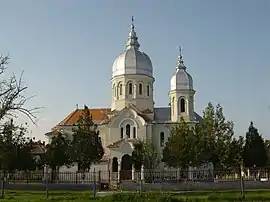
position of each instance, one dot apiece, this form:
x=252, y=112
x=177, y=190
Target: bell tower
x=182, y=93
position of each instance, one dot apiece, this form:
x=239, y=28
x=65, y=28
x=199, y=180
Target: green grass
x=84, y=196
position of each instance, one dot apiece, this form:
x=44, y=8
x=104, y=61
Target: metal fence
x=147, y=176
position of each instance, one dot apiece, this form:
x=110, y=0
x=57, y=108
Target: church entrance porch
x=121, y=160
x=126, y=168
x=122, y=169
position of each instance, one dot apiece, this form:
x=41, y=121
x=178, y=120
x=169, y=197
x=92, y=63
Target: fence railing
x=147, y=176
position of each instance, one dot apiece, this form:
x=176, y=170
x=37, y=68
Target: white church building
x=133, y=114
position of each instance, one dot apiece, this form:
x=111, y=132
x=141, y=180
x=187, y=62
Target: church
x=133, y=114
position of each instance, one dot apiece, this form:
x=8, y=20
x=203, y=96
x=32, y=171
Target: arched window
x=115, y=165
x=140, y=88
x=122, y=132
x=172, y=106
x=134, y=132
x=128, y=130
x=130, y=88
x=148, y=90
x=161, y=139
x=182, y=105
x=120, y=89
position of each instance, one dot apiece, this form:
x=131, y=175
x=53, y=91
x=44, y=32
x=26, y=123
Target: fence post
x=46, y=181
x=99, y=180
x=95, y=185
x=76, y=177
x=109, y=175
x=142, y=177
x=3, y=188
x=242, y=183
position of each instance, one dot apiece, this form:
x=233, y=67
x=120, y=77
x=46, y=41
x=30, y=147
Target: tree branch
x=12, y=99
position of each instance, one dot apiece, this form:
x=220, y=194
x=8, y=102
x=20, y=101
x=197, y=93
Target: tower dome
x=132, y=61
x=132, y=77
x=181, y=80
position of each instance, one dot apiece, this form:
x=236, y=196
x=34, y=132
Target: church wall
x=125, y=148
x=104, y=134
x=141, y=101
x=142, y=133
x=114, y=135
x=175, y=96
x=156, y=136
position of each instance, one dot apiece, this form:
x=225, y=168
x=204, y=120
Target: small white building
x=133, y=114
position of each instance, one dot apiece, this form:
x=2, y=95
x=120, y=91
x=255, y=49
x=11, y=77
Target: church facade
x=133, y=114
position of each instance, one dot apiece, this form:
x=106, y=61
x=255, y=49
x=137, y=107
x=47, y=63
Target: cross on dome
x=180, y=62
x=132, y=37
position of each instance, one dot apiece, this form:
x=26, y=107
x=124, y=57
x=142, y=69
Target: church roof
x=97, y=116
x=132, y=60
x=161, y=114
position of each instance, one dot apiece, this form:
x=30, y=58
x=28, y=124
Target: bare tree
x=12, y=98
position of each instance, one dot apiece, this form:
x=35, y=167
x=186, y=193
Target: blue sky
x=67, y=47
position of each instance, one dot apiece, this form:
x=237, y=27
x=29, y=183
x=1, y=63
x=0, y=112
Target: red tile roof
x=97, y=115
x=72, y=118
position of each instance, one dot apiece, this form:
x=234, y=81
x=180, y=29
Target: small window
x=148, y=90
x=122, y=132
x=134, y=132
x=161, y=139
x=130, y=88
x=140, y=88
x=182, y=105
x=128, y=131
x=120, y=89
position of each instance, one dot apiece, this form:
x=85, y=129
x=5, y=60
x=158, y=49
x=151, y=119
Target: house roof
x=38, y=148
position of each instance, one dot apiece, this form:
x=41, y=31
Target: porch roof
x=120, y=142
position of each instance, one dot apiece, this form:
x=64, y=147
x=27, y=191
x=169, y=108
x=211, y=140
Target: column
x=135, y=91
x=142, y=172
x=110, y=170
x=45, y=176
x=119, y=170
x=133, y=172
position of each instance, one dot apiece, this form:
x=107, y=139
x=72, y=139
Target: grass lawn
x=83, y=196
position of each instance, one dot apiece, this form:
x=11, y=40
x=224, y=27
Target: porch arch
x=126, y=167
x=115, y=164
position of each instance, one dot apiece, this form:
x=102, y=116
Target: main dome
x=181, y=80
x=132, y=61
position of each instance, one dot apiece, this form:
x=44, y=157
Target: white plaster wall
x=126, y=116
x=126, y=148
x=157, y=129
x=142, y=102
x=188, y=115
x=105, y=138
